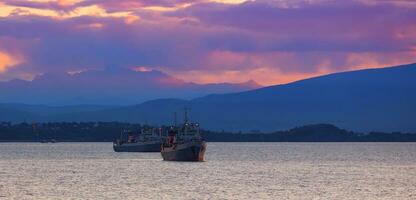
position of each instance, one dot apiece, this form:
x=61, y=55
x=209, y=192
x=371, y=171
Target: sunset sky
x=206, y=41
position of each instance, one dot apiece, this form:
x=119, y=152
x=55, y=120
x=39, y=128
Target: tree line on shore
x=109, y=131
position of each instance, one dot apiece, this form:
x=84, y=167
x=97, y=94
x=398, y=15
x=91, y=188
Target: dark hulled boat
x=184, y=143
x=137, y=147
x=148, y=141
x=187, y=151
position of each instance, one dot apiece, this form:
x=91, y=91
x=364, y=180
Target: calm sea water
x=232, y=171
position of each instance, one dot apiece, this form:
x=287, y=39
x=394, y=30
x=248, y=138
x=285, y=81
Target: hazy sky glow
x=206, y=41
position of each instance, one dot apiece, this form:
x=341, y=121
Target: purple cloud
x=294, y=38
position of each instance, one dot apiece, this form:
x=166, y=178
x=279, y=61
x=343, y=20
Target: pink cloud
x=266, y=41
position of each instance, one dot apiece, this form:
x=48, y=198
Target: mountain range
x=112, y=86
x=381, y=99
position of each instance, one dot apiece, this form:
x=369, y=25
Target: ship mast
x=174, y=122
x=186, y=115
x=185, y=125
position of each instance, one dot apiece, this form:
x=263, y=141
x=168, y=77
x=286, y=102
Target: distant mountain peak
x=109, y=86
x=251, y=84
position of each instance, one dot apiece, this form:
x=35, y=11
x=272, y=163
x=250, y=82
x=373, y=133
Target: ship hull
x=193, y=152
x=137, y=147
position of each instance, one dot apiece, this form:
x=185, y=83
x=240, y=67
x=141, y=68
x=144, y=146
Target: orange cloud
x=68, y=2
x=7, y=61
x=131, y=19
x=357, y=61
x=142, y=69
x=229, y=1
x=91, y=26
x=263, y=76
x=273, y=69
x=92, y=10
x=7, y=10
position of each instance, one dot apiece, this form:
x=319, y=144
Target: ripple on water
x=232, y=171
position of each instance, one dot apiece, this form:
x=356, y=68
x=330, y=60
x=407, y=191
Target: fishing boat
x=184, y=143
